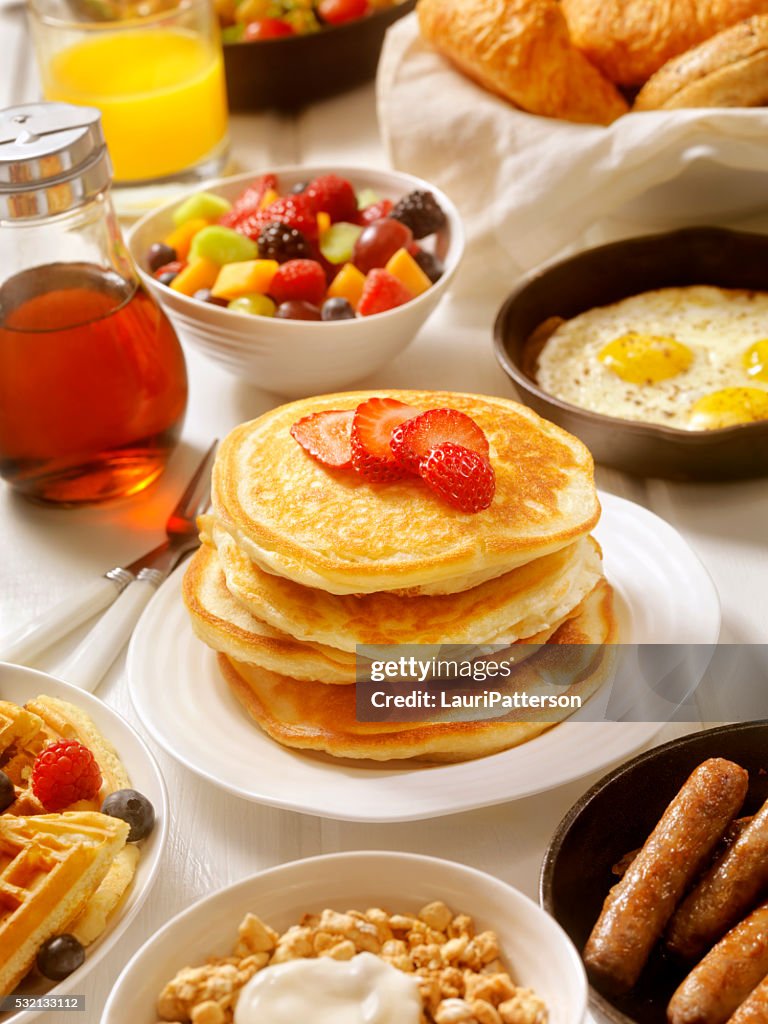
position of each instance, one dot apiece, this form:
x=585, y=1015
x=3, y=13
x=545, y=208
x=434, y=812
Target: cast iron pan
x=615, y=817
x=292, y=71
x=598, y=277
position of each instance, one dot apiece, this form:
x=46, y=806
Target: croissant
x=629, y=40
x=521, y=50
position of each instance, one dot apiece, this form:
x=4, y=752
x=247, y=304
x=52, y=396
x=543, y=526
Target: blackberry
x=282, y=243
x=430, y=264
x=420, y=212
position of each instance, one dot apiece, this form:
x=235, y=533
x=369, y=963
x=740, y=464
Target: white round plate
x=534, y=947
x=19, y=685
x=665, y=597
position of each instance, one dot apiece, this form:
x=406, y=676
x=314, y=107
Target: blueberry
x=159, y=255
x=337, y=309
x=430, y=264
x=134, y=808
x=59, y=956
x=167, y=277
x=7, y=792
x=299, y=187
x=205, y=295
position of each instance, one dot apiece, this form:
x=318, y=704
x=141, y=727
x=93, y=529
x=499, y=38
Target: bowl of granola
x=378, y=936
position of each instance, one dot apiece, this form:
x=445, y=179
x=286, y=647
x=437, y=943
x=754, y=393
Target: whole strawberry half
x=295, y=211
x=414, y=440
x=381, y=291
x=326, y=436
x=460, y=476
x=248, y=202
x=372, y=427
x=302, y=280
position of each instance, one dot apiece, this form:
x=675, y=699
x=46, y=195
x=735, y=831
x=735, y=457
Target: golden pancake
x=335, y=531
x=524, y=601
x=311, y=716
x=224, y=624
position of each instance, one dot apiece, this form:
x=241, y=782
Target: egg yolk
x=645, y=358
x=729, y=407
x=756, y=360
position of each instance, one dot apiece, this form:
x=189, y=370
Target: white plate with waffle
x=134, y=764
x=664, y=596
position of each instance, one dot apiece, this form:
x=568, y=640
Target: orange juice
x=160, y=91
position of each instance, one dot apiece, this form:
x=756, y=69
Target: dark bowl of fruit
x=285, y=54
x=301, y=280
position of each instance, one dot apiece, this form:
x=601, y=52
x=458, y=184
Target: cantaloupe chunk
x=235, y=279
x=269, y=197
x=200, y=274
x=408, y=272
x=323, y=222
x=348, y=284
x=181, y=237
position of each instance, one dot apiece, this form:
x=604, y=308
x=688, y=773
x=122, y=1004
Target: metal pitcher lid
x=52, y=158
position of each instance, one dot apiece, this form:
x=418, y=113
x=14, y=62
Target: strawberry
x=248, y=202
x=376, y=211
x=63, y=773
x=294, y=211
x=333, y=195
x=461, y=477
x=382, y=291
x=299, y=279
x=414, y=440
x=372, y=429
x=326, y=436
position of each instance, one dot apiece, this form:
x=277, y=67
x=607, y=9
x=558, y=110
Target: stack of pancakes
x=301, y=565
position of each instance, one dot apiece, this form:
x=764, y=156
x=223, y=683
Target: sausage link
x=725, y=893
x=754, y=1009
x=637, y=908
x=725, y=977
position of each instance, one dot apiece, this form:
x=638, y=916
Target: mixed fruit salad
x=320, y=251
x=270, y=19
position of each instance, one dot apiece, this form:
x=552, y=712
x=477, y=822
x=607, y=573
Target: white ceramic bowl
x=22, y=684
x=534, y=947
x=296, y=358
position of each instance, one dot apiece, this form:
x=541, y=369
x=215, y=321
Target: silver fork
x=128, y=589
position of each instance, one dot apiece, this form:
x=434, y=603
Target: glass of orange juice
x=154, y=68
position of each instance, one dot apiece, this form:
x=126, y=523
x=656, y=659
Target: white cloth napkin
x=530, y=188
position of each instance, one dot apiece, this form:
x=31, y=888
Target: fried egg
x=695, y=358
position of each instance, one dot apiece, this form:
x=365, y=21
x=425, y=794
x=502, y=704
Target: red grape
x=267, y=28
x=335, y=12
x=378, y=241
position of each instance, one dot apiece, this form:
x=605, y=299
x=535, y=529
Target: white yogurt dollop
x=363, y=990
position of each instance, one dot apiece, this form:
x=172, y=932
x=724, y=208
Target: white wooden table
x=47, y=554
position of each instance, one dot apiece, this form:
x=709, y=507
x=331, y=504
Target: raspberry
x=376, y=211
x=249, y=201
x=381, y=291
x=461, y=477
x=414, y=440
x=334, y=195
x=302, y=280
x=420, y=212
x=63, y=773
x=372, y=428
x=279, y=242
x=326, y=436
x=294, y=211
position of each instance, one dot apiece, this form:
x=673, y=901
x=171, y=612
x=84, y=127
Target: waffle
x=50, y=866
x=24, y=733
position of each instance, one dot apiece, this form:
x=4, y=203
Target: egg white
x=717, y=324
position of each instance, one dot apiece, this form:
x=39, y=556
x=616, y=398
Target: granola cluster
x=461, y=976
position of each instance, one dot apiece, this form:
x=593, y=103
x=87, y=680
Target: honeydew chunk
x=338, y=243
x=200, y=274
x=201, y=206
x=222, y=245
x=246, y=277
x=367, y=197
x=408, y=272
x=181, y=238
x=348, y=284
